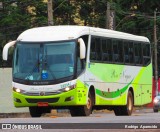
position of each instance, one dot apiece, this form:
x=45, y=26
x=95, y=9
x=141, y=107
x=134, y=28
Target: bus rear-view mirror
x=82, y=48
x=6, y=48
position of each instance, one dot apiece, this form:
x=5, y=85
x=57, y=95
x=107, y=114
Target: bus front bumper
x=69, y=98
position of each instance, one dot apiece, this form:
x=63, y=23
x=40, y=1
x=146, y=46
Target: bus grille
x=52, y=100
x=38, y=93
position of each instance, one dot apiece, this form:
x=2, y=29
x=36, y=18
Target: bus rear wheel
x=155, y=110
x=83, y=110
x=35, y=111
x=127, y=109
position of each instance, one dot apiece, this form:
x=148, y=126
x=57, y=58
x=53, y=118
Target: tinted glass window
x=95, y=51
x=106, y=50
x=138, y=53
x=120, y=50
x=146, y=54
x=126, y=52
x=131, y=52
x=48, y=61
x=115, y=51
x=98, y=49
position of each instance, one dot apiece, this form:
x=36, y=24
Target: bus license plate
x=42, y=104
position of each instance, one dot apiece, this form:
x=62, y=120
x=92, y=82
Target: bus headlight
x=18, y=90
x=67, y=88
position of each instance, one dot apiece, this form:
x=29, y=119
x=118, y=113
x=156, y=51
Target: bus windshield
x=44, y=61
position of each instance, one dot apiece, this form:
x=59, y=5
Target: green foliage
x=132, y=16
x=16, y=18
x=63, y=12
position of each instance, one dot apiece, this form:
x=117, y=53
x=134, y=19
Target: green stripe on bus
x=113, y=94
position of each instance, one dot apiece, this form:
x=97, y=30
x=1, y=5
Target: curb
x=27, y=114
x=14, y=115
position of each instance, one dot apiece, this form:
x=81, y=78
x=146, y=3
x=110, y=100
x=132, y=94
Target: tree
x=64, y=12
x=19, y=15
x=140, y=21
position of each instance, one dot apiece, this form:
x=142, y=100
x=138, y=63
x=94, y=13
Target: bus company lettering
x=40, y=88
x=118, y=75
x=126, y=76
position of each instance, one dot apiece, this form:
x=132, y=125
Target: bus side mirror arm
x=6, y=48
x=82, y=48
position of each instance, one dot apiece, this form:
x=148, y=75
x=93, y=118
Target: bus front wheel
x=127, y=109
x=85, y=110
x=35, y=111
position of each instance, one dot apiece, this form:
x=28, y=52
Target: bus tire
x=35, y=111
x=155, y=110
x=117, y=110
x=127, y=109
x=74, y=111
x=85, y=110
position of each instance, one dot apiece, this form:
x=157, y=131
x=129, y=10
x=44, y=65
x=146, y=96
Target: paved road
x=95, y=122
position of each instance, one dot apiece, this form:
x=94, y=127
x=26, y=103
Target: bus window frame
x=118, y=41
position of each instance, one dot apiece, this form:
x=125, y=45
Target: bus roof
x=59, y=33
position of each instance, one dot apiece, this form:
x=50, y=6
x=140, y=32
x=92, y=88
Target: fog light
x=69, y=98
x=17, y=100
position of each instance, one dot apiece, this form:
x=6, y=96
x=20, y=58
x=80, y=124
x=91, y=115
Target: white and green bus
x=80, y=68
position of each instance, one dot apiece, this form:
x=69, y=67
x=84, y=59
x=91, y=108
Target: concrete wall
x=6, y=99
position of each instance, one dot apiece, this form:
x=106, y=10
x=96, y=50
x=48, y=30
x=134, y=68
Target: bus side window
x=93, y=50
x=104, y=50
x=146, y=54
x=126, y=54
x=80, y=63
x=115, y=51
x=131, y=54
x=98, y=49
x=138, y=53
x=120, y=51
x=109, y=49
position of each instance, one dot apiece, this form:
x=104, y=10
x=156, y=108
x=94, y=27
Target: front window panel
x=44, y=61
